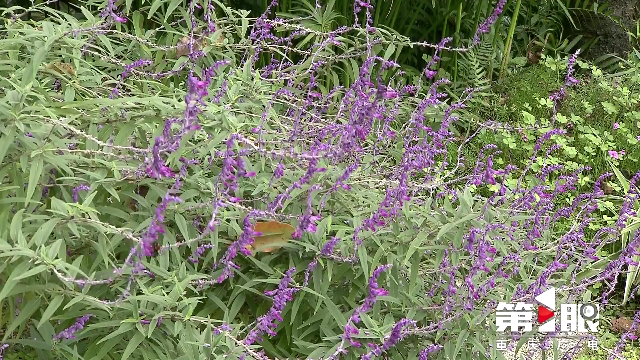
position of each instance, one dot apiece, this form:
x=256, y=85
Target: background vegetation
x=194, y=180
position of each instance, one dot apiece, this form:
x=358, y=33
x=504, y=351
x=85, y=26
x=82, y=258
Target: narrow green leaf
x=390, y=50
x=182, y=225
x=44, y=231
x=235, y=307
x=335, y=312
x=155, y=4
x=364, y=260
x=447, y=227
x=104, y=349
x=53, y=306
x=11, y=282
x=6, y=141
x=133, y=345
x=16, y=226
x=414, y=245
x=25, y=314
x=36, y=270
x=121, y=330
x=30, y=75
x=35, y=173
x=172, y=6
x=621, y=178
x=462, y=337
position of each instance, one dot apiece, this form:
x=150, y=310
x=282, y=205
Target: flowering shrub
x=599, y=133
x=600, y=116
x=130, y=200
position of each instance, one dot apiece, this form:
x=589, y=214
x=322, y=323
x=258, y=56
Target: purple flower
x=157, y=169
x=110, y=11
x=327, y=249
x=616, y=155
x=194, y=258
x=246, y=238
x=485, y=27
x=397, y=334
x=267, y=323
x=156, y=228
x=374, y=292
x=616, y=126
x=69, y=333
x=3, y=347
x=79, y=188
x=424, y=354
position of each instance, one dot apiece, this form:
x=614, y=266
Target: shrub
x=144, y=220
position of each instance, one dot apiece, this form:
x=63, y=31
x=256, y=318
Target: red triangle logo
x=544, y=314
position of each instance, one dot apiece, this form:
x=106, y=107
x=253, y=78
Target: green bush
x=130, y=202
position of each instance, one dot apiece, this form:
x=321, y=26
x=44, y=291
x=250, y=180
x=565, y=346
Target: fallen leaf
x=273, y=232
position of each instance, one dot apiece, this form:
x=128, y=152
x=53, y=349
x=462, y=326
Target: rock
x=613, y=37
x=622, y=324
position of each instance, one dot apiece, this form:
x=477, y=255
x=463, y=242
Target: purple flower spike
x=156, y=228
x=3, y=347
x=110, y=12
x=268, y=322
x=349, y=328
x=397, y=334
x=79, y=188
x=194, y=258
x=327, y=249
x=424, y=354
x=69, y=333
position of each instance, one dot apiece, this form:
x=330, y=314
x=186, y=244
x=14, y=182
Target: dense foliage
x=148, y=177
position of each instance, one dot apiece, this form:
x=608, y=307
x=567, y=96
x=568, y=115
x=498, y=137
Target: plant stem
x=507, y=47
x=457, y=42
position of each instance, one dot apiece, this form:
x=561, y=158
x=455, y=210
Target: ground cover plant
x=164, y=197
x=600, y=117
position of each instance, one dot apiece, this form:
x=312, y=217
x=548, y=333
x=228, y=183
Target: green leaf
x=172, y=6
x=25, y=313
x=105, y=348
x=87, y=14
x=462, y=337
x=182, y=225
x=335, y=312
x=124, y=134
x=235, y=307
x=121, y=330
x=566, y=12
x=35, y=173
x=44, y=231
x=132, y=346
x=11, y=282
x=390, y=50
x=414, y=245
x=621, y=178
x=30, y=73
x=53, y=306
x=6, y=141
x=36, y=270
x=364, y=259
x=155, y=4
x=447, y=227
x=16, y=226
